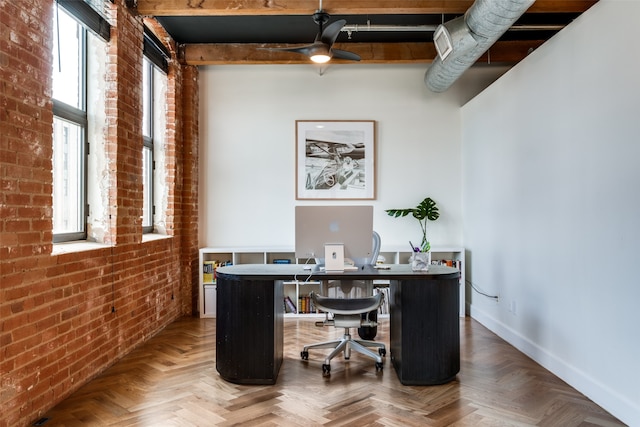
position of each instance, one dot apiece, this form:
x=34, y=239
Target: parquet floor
x=172, y=381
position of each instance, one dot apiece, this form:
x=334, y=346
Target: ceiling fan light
x=320, y=58
x=320, y=53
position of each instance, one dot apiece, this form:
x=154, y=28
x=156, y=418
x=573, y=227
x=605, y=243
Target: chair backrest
x=355, y=288
x=375, y=252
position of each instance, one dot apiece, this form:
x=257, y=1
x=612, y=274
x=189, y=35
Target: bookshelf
x=212, y=257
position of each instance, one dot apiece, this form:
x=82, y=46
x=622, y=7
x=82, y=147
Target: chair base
x=345, y=345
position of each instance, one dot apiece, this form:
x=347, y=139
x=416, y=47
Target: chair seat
x=346, y=305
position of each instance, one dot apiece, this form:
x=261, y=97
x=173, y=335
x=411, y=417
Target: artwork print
x=335, y=159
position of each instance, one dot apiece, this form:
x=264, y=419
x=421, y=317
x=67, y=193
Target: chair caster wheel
x=326, y=369
x=304, y=355
x=378, y=366
x=382, y=352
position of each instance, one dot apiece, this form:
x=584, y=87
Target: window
x=154, y=82
x=69, y=128
x=77, y=53
x=147, y=149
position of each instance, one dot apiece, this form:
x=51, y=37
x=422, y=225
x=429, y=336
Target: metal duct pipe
x=485, y=22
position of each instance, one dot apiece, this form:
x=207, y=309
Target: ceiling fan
x=321, y=51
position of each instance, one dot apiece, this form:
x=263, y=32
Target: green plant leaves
x=425, y=209
x=398, y=212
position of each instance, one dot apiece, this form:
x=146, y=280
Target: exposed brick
x=56, y=316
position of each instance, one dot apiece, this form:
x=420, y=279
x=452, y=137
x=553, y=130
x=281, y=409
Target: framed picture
x=335, y=159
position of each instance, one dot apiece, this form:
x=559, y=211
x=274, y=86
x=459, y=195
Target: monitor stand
x=334, y=257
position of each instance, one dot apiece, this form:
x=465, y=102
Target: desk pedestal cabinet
x=425, y=330
x=249, y=330
x=424, y=322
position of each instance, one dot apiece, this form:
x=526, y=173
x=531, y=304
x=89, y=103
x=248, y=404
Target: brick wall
x=189, y=205
x=182, y=125
x=65, y=318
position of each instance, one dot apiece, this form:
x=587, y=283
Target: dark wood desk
x=424, y=320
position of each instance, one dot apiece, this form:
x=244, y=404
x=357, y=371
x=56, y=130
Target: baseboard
x=617, y=405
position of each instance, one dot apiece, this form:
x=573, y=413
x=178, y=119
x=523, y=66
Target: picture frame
x=335, y=159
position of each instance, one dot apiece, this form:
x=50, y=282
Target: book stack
x=448, y=262
x=208, y=271
x=305, y=304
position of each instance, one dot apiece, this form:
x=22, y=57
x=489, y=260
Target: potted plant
x=425, y=211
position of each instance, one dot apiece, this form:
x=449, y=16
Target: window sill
x=76, y=246
x=149, y=237
x=83, y=245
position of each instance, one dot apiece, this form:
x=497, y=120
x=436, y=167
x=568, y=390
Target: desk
x=424, y=320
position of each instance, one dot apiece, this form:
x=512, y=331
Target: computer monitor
x=351, y=226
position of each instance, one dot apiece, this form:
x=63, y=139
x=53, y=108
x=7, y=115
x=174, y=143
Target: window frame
x=79, y=117
x=148, y=144
x=156, y=60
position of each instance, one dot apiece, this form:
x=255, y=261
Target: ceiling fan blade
x=322, y=45
x=330, y=34
x=343, y=54
x=305, y=50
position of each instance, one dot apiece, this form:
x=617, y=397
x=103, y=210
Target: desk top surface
x=297, y=272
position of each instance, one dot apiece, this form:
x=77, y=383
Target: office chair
x=346, y=286
x=350, y=313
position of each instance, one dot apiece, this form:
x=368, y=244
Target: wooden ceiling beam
x=335, y=7
x=297, y=7
x=371, y=53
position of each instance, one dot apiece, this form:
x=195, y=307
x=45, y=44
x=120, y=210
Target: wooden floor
x=172, y=381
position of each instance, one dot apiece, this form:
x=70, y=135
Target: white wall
x=551, y=205
x=247, y=146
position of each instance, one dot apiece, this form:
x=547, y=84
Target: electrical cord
x=295, y=277
x=475, y=288
x=307, y=279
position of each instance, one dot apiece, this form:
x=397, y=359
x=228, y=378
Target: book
x=290, y=306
